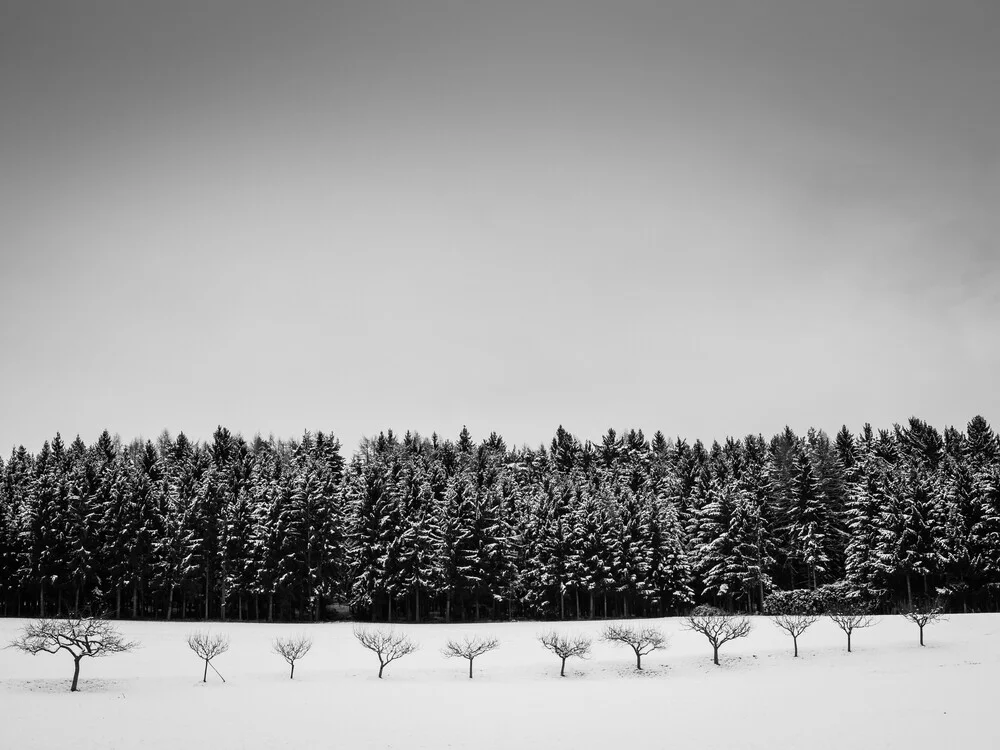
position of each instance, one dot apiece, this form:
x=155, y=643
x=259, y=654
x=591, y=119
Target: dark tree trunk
x=292, y=675
x=470, y=669
x=715, y=654
x=76, y=674
x=381, y=666
x=921, y=634
x=638, y=660
x=848, y=641
x=795, y=640
x=562, y=670
x=204, y=677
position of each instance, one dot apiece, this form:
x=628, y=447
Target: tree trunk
x=848, y=642
x=76, y=674
x=292, y=675
x=470, y=669
x=381, y=666
x=270, y=607
x=562, y=671
x=909, y=592
x=715, y=654
x=795, y=641
x=76, y=600
x=170, y=603
x=638, y=660
x=41, y=598
x=118, y=602
x=135, y=600
x=204, y=677
x=576, y=594
x=447, y=607
x=416, y=604
x=921, y=634
x=206, y=596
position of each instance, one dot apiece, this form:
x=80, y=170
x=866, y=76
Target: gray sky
x=708, y=218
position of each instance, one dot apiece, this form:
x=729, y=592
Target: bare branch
x=292, y=649
x=566, y=647
x=924, y=614
x=852, y=617
x=718, y=626
x=794, y=625
x=642, y=641
x=387, y=645
x=80, y=637
x=208, y=646
x=469, y=648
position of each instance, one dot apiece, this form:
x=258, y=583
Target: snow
x=889, y=693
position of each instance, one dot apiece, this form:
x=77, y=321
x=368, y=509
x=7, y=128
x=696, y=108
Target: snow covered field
x=889, y=693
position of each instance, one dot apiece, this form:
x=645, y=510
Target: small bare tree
x=718, y=626
x=387, y=645
x=207, y=646
x=642, y=641
x=469, y=648
x=794, y=625
x=80, y=637
x=292, y=649
x=923, y=615
x=850, y=618
x=565, y=647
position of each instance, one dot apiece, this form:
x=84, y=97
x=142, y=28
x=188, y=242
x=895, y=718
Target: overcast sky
x=709, y=218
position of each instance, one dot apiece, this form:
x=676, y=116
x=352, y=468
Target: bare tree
x=795, y=625
x=851, y=618
x=923, y=615
x=207, y=646
x=565, y=647
x=642, y=641
x=469, y=648
x=292, y=649
x=718, y=626
x=80, y=637
x=387, y=645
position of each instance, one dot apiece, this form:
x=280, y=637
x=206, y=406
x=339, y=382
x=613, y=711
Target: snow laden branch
x=924, y=614
x=795, y=626
x=718, y=626
x=80, y=637
x=387, y=645
x=851, y=617
x=565, y=647
x=642, y=641
x=292, y=649
x=207, y=646
x=469, y=647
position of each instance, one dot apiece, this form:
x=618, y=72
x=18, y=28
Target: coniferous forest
x=414, y=528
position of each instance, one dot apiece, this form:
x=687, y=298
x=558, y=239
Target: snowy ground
x=889, y=693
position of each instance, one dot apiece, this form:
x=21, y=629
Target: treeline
x=418, y=528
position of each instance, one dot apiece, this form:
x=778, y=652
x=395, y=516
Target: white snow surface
x=888, y=693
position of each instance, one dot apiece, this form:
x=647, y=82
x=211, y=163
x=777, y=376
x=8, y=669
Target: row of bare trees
x=91, y=638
